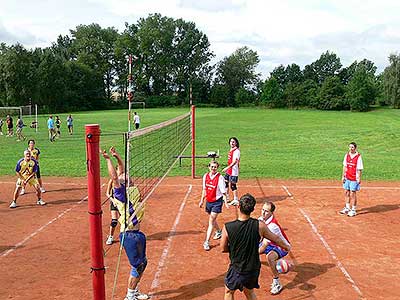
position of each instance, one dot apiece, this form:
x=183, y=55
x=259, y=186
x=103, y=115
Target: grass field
x=274, y=143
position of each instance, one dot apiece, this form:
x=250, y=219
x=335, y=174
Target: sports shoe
x=110, y=240
x=276, y=287
x=206, y=246
x=345, y=211
x=22, y=192
x=234, y=202
x=13, y=204
x=352, y=213
x=217, y=235
x=41, y=202
x=141, y=296
x=42, y=190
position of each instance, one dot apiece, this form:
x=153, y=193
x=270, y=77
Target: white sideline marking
x=164, y=254
x=327, y=247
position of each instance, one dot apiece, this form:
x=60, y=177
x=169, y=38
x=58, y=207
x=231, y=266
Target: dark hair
x=354, y=144
x=31, y=141
x=235, y=139
x=247, y=203
x=213, y=162
x=271, y=205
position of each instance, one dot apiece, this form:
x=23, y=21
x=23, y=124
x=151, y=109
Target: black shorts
x=229, y=178
x=112, y=206
x=214, y=206
x=238, y=281
x=137, y=125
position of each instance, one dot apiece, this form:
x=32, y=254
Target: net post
x=193, y=110
x=36, y=119
x=94, y=209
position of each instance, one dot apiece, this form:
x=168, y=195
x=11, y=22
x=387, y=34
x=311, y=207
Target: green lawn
x=274, y=143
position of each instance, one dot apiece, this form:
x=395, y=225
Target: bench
x=210, y=154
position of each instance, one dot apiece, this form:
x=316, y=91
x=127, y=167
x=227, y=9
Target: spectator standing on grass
x=35, y=152
x=136, y=120
x=20, y=125
x=132, y=239
x=241, y=239
x=26, y=169
x=232, y=170
x=70, y=124
x=351, y=178
x=58, y=126
x=10, y=126
x=214, y=192
x=273, y=251
x=51, y=128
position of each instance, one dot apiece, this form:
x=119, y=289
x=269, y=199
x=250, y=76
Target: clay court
x=44, y=251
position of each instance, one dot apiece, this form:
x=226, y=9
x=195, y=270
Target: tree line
x=87, y=70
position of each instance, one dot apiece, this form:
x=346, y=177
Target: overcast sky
x=282, y=32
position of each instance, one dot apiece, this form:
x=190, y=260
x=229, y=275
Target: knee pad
x=233, y=186
x=114, y=223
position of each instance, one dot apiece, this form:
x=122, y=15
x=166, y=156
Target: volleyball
x=282, y=266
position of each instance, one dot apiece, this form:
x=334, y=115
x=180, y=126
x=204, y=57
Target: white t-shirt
x=136, y=119
x=221, y=189
x=235, y=168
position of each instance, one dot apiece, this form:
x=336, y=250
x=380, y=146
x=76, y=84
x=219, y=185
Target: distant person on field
x=241, y=239
x=1, y=126
x=20, y=125
x=136, y=120
x=10, y=126
x=351, y=178
x=114, y=212
x=273, y=251
x=214, y=194
x=70, y=124
x=26, y=169
x=35, y=152
x=131, y=238
x=232, y=170
x=58, y=125
x=51, y=128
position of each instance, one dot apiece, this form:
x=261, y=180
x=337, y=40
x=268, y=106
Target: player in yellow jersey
x=26, y=169
x=35, y=152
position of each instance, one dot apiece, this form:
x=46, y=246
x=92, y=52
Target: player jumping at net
x=241, y=239
x=214, y=192
x=351, y=178
x=114, y=212
x=35, y=152
x=26, y=169
x=131, y=213
x=232, y=170
x=273, y=251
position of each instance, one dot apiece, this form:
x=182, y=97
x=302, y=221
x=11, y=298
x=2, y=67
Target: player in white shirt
x=232, y=170
x=136, y=120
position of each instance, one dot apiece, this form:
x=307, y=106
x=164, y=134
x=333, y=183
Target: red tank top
x=211, y=187
x=275, y=221
x=351, y=165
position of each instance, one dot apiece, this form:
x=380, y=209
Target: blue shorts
x=281, y=253
x=237, y=281
x=351, y=185
x=229, y=178
x=135, y=247
x=214, y=206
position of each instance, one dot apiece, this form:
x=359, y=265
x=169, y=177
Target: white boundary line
x=164, y=254
x=327, y=247
x=4, y=254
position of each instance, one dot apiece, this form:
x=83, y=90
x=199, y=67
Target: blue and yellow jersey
x=135, y=207
x=34, y=153
x=26, y=168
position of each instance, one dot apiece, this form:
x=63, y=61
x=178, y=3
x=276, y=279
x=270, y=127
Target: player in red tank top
x=351, y=178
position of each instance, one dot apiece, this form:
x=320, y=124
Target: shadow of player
x=272, y=198
x=164, y=235
x=380, y=208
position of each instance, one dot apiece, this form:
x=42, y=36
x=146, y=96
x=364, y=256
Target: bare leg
x=250, y=295
x=229, y=295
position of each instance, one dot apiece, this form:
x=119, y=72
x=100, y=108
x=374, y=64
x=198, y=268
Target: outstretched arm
x=121, y=165
x=111, y=169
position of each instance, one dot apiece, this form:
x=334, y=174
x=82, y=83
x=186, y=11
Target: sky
x=281, y=32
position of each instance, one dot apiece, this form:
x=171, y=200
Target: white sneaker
x=344, y=211
x=276, y=287
x=206, y=246
x=13, y=204
x=234, y=202
x=110, y=240
x=217, y=235
x=22, y=192
x=352, y=213
x=141, y=296
x=41, y=202
x=42, y=190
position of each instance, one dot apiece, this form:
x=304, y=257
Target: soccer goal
x=136, y=104
x=15, y=112
x=12, y=111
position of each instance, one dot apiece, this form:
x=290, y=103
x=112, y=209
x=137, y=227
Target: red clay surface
x=44, y=251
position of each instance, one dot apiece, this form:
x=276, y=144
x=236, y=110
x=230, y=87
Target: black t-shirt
x=243, y=244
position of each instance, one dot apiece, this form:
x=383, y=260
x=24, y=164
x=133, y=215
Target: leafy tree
x=219, y=95
x=331, y=95
x=244, y=97
x=361, y=90
x=272, y=94
x=391, y=81
x=281, y=76
x=328, y=65
x=238, y=71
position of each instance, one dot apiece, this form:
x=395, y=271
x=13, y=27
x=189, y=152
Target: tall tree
x=391, y=80
x=361, y=90
x=327, y=65
x=331, y=95
x=238, y=71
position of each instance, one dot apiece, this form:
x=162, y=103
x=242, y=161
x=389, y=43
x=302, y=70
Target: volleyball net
x=151, y=152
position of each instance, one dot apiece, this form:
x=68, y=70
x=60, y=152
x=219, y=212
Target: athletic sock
x=130, y=294
x=348, y=205
x=354, y=208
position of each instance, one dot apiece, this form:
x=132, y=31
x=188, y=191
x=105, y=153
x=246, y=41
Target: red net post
x=94, y=209
x=193, y=141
